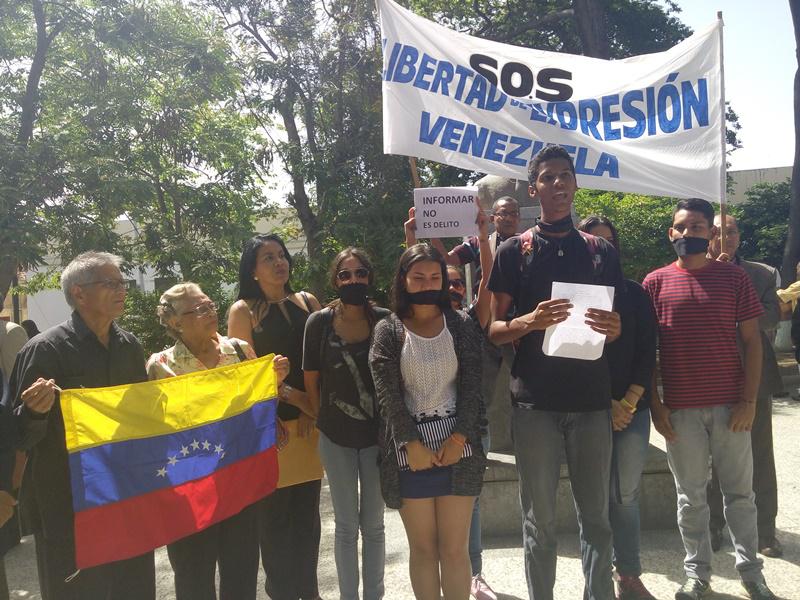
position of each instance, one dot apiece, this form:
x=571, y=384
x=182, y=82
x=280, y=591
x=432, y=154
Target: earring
x=256, y=278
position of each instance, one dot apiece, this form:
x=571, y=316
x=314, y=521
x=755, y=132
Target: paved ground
x=662, y=551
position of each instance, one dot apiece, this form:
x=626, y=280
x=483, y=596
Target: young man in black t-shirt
x=558, y=402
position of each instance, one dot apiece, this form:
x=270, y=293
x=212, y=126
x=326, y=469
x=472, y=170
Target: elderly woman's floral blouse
x=177, y=360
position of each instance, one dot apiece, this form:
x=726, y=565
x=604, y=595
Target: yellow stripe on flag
x=94, y=416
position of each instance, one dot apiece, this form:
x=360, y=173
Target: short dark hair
x=549, y=152
x=587, y=224
x=401, y=303
x=509, y=199
x=704, y=207
x=248, y=287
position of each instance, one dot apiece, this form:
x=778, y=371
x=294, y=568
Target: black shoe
x=716, y=539
x=758, y=590
x=694, y=589
x=770, y=547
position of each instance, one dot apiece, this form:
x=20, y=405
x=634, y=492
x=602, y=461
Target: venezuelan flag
x=153, y=462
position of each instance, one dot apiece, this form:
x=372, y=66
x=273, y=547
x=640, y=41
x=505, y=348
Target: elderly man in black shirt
x=88, y=350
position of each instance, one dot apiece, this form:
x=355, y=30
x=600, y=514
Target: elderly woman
x=191, y=318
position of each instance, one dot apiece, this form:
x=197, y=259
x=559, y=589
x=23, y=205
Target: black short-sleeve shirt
x=348, y=413
x=546, y=382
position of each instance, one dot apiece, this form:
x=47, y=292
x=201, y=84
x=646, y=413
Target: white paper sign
x=650, y=124
x=573, y=338
x=446, y=211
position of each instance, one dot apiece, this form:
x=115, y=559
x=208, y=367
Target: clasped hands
x=420, y=457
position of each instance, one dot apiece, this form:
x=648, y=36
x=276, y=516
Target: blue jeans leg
x=373, y=543
x=475, y=544
x=345, y=467
x=628, y=458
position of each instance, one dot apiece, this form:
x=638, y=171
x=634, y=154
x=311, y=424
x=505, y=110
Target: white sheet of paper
x=573, y=338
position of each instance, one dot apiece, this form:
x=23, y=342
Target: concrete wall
x=744, y=180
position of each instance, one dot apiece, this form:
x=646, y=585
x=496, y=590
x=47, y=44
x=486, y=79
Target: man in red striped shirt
x=709, y=394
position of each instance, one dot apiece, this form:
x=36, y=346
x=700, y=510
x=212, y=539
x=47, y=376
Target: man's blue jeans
x=540, y=438
x=349, y=472
x=703, y=434
x=627, y=462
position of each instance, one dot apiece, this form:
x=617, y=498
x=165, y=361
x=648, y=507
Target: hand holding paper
x=583, y=332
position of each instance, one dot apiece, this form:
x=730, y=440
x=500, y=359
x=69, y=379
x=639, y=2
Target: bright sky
x=760, y=65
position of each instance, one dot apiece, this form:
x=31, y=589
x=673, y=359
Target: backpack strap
x=528, y=249
x=593, y=245
x=304, y=296
x=239, y=352
x=327, y=324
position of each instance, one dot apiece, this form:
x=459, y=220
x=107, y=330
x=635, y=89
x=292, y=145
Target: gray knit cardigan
x=397, y=423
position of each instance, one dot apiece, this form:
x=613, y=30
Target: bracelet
x=284, y=390
x=628, y=406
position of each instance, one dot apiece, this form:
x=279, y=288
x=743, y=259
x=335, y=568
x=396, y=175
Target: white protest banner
x=650, y=124
x=446, y=211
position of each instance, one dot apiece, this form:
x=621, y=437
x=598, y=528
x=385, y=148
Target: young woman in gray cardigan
x=426, y=364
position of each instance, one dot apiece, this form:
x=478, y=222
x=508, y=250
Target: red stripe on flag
x=137, y=525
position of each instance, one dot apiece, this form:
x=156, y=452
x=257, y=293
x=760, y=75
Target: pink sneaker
x=480, y=590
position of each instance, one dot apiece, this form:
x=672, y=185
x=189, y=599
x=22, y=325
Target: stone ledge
x=500, y=511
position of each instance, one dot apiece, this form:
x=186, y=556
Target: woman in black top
x=631, y=361
x=339, y=384
x=271, y=318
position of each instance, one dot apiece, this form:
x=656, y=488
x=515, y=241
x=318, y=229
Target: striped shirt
x=698, y=311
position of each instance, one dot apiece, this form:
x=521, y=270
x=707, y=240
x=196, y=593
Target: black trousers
x=765, y=481
x=290, y=532
x=233, y=543
x=131, y=579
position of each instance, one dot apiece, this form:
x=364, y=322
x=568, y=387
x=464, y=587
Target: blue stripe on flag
x=116, y=471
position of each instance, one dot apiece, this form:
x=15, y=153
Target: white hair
x=83, y=268
x=169, y=303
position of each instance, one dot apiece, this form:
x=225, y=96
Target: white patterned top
x=429, y=367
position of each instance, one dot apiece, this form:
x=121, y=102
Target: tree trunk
x=791, y=253
x=590, y=17
x=29, y=105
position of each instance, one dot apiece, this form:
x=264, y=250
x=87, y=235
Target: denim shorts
x=430, y=483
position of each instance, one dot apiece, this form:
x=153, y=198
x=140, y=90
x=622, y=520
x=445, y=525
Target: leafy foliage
x=763, y=220
x=641, y=222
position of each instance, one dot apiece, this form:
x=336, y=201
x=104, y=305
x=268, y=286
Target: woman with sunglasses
x=272, y=318
x=190, y=317
x=339, y=385
x=426, y=363
x=631, y=361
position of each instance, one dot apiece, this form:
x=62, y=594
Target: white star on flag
x=173, y=460
x=162, y=472
x=218, y=448
x=195, y=445
x=184, y=450
x=206, y=445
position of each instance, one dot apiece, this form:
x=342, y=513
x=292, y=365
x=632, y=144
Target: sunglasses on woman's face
x=348, y=274
x=459, y=283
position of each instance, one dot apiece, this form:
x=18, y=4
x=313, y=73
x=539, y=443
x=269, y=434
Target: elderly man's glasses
x=111, y=284
x=348, y=274
x=202, y=310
